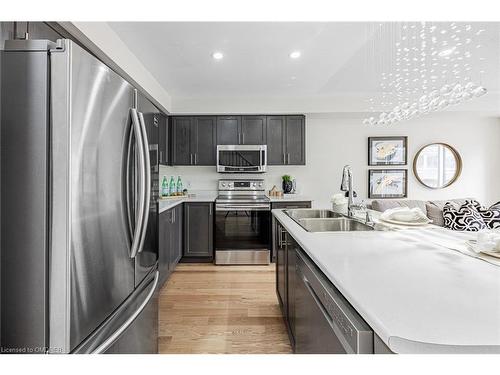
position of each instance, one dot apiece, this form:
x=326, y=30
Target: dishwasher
x=325, y=322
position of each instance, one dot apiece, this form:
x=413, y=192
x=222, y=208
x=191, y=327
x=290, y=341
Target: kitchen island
x=417, y=297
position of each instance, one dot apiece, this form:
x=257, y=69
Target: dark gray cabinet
x=193, y=140
x=241, y=130
x=253, y=130
x=198, y=230
x=169, y=241
x=181, y=141
x=285, y=137
x=203, y=140
x=281, y=269
x=228, y=130
x=176, y=237
x=163, y=141
x=275, y=135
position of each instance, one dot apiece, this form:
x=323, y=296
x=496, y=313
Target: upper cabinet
x=286, y=140
x=193, y=140
x=241, y=130
x=163, y=141
x=295, y=138
x=228, y=130
x=253, y=130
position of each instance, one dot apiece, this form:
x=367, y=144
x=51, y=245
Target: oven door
x=241, y=158
x=242, y=233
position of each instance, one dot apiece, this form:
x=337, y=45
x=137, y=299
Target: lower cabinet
x=169, y=241
x=283, y=205
x=198, y=231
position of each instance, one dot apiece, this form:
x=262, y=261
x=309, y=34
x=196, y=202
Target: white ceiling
x=337, y=59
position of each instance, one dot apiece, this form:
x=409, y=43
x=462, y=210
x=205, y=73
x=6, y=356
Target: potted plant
x=287, y=184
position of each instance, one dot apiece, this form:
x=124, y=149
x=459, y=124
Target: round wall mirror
x=437, y=165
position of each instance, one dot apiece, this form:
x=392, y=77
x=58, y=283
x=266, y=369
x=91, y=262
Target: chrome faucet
x=346, y=185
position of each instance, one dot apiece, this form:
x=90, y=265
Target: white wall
x=101, y=39
x=335, y=140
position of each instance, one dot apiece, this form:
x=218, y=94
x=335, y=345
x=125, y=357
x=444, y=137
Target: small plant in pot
x=287, y=184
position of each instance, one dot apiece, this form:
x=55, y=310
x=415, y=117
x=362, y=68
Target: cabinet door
x=295, y=140
x=291, y=257
x=253, y=130
x=281, y=281
x=163, y=154
x=203, y=140
x=228, y=130
x=176, y=252
x=198, y=230
x=275, y=140
x=164, y=225
x=181, y=141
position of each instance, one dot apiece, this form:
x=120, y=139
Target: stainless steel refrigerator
x=79, y=201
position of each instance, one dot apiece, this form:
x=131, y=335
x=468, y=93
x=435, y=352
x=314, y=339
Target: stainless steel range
x=242, y=222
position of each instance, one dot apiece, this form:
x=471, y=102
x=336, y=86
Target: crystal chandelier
x=430, y=68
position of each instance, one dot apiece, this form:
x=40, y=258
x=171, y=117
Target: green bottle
x=179, y=185
x=172, y=185
x=164, y=187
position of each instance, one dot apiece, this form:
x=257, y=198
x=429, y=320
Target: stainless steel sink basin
x=333, y=225
x=307, y=213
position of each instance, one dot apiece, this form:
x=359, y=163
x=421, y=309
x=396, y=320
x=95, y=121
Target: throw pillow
x=491, y=216
x=464, y=218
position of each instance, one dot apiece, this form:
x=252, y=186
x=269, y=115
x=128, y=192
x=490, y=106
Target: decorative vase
x=287, y=186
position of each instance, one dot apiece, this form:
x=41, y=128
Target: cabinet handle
x=195, y=158
x=191, y=159
x=161, y=156
x=210, y=210
x=288, y=158
x=243, y=138
x=284, y=159
x=173, y=216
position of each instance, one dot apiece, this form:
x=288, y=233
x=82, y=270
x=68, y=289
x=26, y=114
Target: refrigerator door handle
x=147, y=182
x=136, y=239
x=116, y=334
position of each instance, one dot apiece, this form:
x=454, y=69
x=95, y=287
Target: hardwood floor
x=221, y=309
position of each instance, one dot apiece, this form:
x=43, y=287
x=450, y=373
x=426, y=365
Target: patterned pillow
x=464, y=218
x=491, y=216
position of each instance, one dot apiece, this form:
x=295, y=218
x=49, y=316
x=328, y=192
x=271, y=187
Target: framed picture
x=387, y=150
x=387, y=183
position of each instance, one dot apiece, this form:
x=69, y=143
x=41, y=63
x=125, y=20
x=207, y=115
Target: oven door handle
x=253, y=207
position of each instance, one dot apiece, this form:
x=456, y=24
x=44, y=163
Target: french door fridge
x=78, y=205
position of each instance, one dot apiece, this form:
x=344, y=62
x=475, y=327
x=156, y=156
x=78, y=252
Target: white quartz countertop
x=166, y=204
x=417, y=296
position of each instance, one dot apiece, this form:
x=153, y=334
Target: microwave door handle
x=147, y=181
x=140, y=196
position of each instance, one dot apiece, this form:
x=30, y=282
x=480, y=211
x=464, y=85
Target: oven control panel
x=241, y=184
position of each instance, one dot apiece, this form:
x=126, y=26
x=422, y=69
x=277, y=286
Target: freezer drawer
x=132, y=328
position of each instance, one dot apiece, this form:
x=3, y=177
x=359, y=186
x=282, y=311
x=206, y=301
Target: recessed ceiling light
x=217, y=55
x=446, y=52
x=295, y=55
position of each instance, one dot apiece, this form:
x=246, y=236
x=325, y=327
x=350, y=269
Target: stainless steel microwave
x=241, y=158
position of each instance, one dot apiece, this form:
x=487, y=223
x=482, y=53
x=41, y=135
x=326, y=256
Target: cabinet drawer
x=290, y=205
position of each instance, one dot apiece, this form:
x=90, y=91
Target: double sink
x=326, y=221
